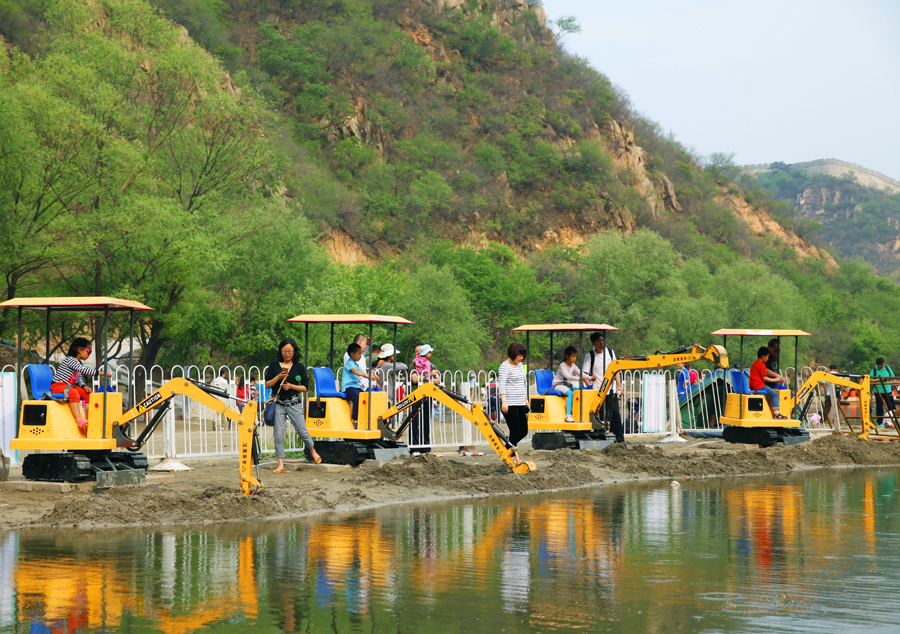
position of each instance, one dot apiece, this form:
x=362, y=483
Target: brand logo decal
x=406, y=402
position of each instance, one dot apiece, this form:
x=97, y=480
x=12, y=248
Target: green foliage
x=131, y=165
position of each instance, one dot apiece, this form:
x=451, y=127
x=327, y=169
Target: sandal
x=82, y=424
x=318, y=460
x=279, y=470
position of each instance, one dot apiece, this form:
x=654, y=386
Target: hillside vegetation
x=202, y=156
x=856, y=221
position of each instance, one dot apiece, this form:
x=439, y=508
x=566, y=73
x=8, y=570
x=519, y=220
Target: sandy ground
x=210, y=493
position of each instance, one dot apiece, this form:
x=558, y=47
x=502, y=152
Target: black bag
x=269, y=413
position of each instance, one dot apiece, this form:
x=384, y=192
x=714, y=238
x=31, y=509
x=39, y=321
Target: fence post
x=170, y=462
x=674, y=415
x=467, y=428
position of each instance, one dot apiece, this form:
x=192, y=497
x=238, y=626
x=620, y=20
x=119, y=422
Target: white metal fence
x=646, y=406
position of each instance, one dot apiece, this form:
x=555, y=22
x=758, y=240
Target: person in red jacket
x=759, y=378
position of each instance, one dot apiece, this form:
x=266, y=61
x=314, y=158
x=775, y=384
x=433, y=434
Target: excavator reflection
x=75, y=591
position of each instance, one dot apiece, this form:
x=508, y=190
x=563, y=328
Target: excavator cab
x=328, y=412
x=547, y=416
x=748, y=416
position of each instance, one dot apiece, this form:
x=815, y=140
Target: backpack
x=593, y=354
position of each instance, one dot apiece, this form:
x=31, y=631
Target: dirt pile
x=199, y=496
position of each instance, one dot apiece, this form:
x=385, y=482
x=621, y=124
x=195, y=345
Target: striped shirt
x=511, y=382
x=70, y=371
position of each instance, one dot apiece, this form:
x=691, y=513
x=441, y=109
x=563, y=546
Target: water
x=810, y=552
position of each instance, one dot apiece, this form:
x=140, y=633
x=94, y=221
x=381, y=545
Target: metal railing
x=645, y=406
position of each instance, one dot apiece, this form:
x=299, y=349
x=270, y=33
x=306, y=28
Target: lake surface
x=817, y=551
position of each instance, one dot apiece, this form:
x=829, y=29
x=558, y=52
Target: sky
x=767, y=80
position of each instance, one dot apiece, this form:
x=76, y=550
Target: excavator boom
x=714, y=353
x=456, y=402
x=863, y=385
x=205, y=395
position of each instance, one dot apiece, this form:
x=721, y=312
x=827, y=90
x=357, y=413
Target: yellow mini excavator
x=458, y=403
x=50, y=425
x=748, y=416
x=548, y=411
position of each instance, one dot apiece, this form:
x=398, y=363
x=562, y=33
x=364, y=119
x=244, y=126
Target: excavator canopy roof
x=746, y=332
x=74, y=303
x=563, y=327
x=349, y=319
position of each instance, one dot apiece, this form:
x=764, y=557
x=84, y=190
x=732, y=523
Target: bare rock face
x=344, y=249
x=629, y=156
x=762, y=224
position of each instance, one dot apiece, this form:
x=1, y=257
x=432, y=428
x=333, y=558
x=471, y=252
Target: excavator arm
x=456, y=402
x=842, y=380
x=206, y=395
x=714, y=353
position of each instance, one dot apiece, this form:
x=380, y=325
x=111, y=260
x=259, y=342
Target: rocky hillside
x=859, y=210
x=465, y=120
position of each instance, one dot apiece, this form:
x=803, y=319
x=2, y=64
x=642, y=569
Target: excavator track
x=569, y=440
x=764, y=436
x=76, y=467
x=354, y=452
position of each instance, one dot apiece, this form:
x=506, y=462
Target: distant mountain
x=858, y=208
x=834, y=167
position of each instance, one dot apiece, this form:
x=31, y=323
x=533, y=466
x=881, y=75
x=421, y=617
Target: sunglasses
x=88, y=350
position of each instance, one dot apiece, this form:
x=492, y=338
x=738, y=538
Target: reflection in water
x=748, y=555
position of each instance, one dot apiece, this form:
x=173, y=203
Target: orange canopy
x=74, y=303
x=563, y=327
x=746, y=332
x=349, y=319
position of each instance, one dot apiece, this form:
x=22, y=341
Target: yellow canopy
x=563, y=327
x=746, y=332
x=74, y=303
x=349, y=319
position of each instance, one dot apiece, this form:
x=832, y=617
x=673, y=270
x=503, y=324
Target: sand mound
x=203, y=499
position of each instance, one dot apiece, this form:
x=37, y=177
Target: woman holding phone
x=287, y=379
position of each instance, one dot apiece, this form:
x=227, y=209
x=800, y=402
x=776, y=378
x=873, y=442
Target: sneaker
x=569, y=419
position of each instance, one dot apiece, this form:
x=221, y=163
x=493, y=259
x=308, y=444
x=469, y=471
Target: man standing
x=772, y=364
x=594, y=365
x=884, y=397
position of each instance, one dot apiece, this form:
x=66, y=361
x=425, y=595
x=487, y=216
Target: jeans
x=293, y=411
x=772, y=394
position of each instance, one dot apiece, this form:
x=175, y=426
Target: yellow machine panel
x=330, y=417
x=750, y=410
x=548, y=413
x=50, y=425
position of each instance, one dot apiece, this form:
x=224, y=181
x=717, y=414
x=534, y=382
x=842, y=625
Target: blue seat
x=326, y=386
x=741, y=385
x=41, y=378
x=544, y=381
